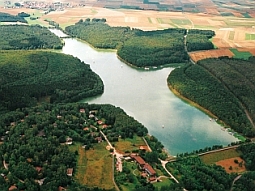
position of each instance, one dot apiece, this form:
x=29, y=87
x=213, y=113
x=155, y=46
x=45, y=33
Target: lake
x=144, y=94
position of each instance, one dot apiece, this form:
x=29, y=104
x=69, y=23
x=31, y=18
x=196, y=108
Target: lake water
x=144, y=94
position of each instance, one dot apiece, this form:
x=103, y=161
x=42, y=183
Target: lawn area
x=129, y=144
x=241, y=55
x=124, y=184
x=240, y=137
x=164, y=182
x=212, y=158
x=94, y=166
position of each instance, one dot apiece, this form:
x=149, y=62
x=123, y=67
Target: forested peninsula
x=227, y=90
x=16, y=37
x=28, y=76
x=143, y=48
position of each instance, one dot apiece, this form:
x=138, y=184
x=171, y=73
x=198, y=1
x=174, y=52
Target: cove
x=144, y=95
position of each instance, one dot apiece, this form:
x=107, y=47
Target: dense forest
x=227, y=89
x=199, y=40
x=99, y=34
x=142, y=48
x=14, y=37
x=35, y=152
x=154, y=48
x=194, y=175
x=6, y=17
x=28, y=76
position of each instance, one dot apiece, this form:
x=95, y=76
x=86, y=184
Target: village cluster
x=146, y=170
x=41, y=5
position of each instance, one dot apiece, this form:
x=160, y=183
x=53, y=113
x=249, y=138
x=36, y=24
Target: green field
x=181, y=21
x=231, y=35
x=129, y=144
x=36, y=22
x=241, y=55
x=166, y=21
x=246, y=15
x=235, y=22
x=215, y=157
x=249, y=36
x=149, y=19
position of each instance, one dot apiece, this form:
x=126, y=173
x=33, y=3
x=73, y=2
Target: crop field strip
x=231, y=35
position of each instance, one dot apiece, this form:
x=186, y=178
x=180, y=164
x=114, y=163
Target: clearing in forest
x=94, y=166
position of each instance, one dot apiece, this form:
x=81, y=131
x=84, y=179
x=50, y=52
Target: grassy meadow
x=94, y=166
x=212, y=158
x=129, y=144
x=240, y=54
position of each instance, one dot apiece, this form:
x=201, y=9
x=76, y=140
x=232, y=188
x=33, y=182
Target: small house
x=69, y=172
x=82, y=110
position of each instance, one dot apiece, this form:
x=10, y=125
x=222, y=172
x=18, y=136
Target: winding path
x=237, y=178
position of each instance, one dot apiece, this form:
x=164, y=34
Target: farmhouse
x=139, y=160
x=147, y=168
x=150, y=171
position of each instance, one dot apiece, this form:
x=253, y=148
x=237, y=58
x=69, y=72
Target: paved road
x=147, y=144
x=164, y=166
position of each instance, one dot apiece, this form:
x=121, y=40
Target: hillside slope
x=27, y=76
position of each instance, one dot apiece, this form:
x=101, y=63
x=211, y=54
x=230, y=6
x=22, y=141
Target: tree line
x=6, y=17
x=142, y=48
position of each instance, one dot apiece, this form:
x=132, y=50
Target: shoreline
x=207, y=112
x=192, y=103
